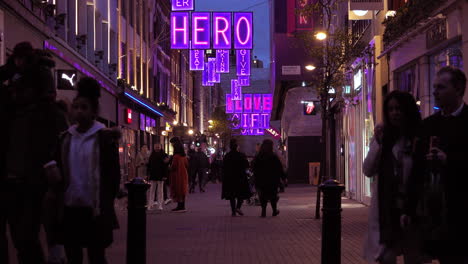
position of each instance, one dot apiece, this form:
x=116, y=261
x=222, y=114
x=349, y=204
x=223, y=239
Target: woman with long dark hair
x=179, y=175
x=268, y=173
x=235, y=184
x=390, y=163
x=88, y=158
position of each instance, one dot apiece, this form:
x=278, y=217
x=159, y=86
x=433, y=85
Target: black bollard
x=331, y=222
x=136, y=233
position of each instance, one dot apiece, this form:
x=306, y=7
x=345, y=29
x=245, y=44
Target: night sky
x=261, y=21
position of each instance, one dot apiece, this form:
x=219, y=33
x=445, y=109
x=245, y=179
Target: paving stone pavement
x=208, y=234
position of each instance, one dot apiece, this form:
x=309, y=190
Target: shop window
x=451, y=56
x=406, y=79
x=123, y=60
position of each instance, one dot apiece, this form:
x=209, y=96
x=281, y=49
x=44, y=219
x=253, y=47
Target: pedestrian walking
x=193, y=168
x=32, y=126
x=390, y=162
x=158, y=170
x=268, y=173
x=88, y=159
x=142, y=162
x=202, y=167
x=179, y=176
x=439, y=189
x=235, y=186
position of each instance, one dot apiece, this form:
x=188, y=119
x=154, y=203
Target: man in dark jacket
x=33, y=125
x=158, y=170
x=442, y=177
x=202, y=170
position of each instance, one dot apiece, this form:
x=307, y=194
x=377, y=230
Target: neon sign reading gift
x=252, y=112
x=224, y=35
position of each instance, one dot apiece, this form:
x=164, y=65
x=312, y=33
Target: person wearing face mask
x=439, y=189
x=390, y=163
x=88, y=161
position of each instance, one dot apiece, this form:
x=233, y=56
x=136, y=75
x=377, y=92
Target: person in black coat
x=438, y=188
x=158, y=172
x=193, y=168
x=235, y=183
x=268, y=173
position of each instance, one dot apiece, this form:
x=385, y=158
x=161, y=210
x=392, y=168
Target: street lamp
x=321, y=35
x=190, y=132
x=175, y=123
x=210, y=121
x=310, y=67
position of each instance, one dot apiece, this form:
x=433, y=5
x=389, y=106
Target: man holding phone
x=441, y=172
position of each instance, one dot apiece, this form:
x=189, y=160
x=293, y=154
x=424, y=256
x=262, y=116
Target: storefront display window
x=451, y=56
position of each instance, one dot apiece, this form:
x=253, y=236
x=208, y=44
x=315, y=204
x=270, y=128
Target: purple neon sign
x=244, y=80
x=197, y=60
x=201, y=30
x=229, y=104
x=180, y=30
x=222, y=36
x=243, y=31
x=182, y=5
x=243, y=62
x=213, y=77
x=222, y=61
x=206, y=77
x=236, y=91
x=252, y=112
x=252, y=132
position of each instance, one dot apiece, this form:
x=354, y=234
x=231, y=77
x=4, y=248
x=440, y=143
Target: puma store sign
x=66, y=79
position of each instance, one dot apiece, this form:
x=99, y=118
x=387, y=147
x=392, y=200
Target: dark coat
x=202, y=159
x=235, y=182
x=33, y=123
x=109, y=183
x=268, y=173
x=158, y=169
x=448, y=226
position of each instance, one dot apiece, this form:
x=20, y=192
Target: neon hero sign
x=226, y=32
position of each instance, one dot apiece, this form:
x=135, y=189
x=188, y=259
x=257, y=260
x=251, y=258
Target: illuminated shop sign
x=357, y=80
x=128, y=115
x=197, y=60
x=310, y=108
x=182, y=5
x=213, y=77
x=273, y=132
x=243, y=62
x=56, y=51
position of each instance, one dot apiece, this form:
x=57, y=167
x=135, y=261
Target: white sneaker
x=168, y=201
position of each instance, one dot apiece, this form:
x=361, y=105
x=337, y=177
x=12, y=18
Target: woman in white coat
x=390, y=163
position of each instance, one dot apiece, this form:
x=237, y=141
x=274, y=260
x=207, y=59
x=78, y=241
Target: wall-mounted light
x=190, y=132
x=321, y=35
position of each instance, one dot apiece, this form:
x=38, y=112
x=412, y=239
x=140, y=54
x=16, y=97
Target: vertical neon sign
x=243, y=62
x=197, y=60
x=180, y=30
x=201, y=31
x=222, y=35
x=229, y=104
x=243, y=31
x=222, y=61
x=247, y=103
x=236, y=91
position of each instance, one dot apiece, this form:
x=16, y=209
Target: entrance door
x=301, y=151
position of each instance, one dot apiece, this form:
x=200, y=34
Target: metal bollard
x=331, y=222
x=136, y=233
